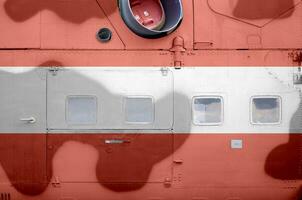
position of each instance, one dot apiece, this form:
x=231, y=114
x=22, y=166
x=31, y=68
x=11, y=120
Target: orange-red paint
x=194, y=166
x=262, y=156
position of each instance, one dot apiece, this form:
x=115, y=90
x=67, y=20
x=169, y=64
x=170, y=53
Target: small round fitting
x=104, y=35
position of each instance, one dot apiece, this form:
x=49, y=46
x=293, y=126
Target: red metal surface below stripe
x=27, y=159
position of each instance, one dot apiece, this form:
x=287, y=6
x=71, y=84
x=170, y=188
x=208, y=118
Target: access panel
x=244, y=24
x=110, y=126
x=23, y=128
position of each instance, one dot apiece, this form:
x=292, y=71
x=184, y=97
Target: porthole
x=151, y=18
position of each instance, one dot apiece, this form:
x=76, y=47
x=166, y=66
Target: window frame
x=81, y=96
x=208, y=97
x=139, y=97
x=265, y=97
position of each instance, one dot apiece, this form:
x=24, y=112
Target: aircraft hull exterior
x=81, y=166
x=171, y=157
x=92, y=108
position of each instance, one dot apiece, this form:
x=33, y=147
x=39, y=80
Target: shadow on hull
x=71, y=11
x=285, y=161
x=27, y=159
x=263, y=9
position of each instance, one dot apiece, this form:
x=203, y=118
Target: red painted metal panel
x=146, y=58
x=203, y=163
x=257, y=12
x=240, y=24
x=16, y=33
x=130, y=158
x=135, y=42
x=23, y=157
x=85, y=58
x=74, y=25
x=238, y=58
x=263, y=160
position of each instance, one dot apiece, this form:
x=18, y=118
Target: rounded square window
x=81, y=110
x=266, y=110
x=139, y=110
x=207, y=110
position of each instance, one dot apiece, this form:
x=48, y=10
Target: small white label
x=146, y=13
x=236, y=144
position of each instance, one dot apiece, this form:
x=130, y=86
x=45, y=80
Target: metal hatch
x=245, y=24
x=108, y=147
x=23, y=128
x=257, y=12
x=23, y=107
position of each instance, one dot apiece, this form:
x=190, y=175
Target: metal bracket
x=178, y=50
x=54, y=70
x=167, y=182
x=178, y=161
x=164, y=71
x=56, y=182
x=298, y=76
x=296, y=57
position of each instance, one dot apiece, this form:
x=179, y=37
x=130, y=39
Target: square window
x=139, y=110
x=266, y=110
x=207, y=110
x=81, y=110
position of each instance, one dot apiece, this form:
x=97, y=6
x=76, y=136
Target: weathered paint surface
x=227, y=24
x=181, y=163
x=127, y=167
x=183, y=158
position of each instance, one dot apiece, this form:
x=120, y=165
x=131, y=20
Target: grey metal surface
x=23, y=101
